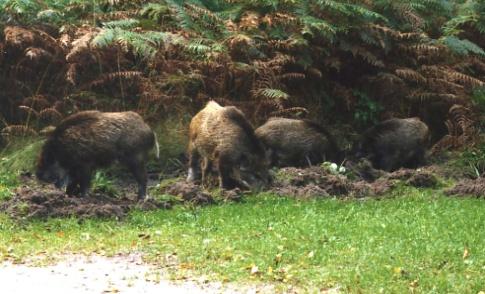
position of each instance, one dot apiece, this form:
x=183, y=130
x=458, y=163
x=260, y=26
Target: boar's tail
x=157, y=146
x=330, y=137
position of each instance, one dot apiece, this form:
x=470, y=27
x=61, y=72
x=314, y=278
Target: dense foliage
x=341, y=61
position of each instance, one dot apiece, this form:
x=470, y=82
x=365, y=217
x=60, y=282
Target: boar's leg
x=206, y=169
x=194, y=165
x=417, y=159
x=73, y=185
x=139, y=171
x=308, y=160
x=389, y=162
x=84, y=181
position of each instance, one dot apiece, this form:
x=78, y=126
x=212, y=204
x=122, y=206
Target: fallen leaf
x=277, y=258
x=254, y=269
x=466, y=253
x=144, y=236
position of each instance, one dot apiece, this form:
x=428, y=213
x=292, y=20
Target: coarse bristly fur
x=296, y=142
x=88, y=140
x=222, y=136
x=395, y=143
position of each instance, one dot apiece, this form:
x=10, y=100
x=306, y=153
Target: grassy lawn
x=414, y=240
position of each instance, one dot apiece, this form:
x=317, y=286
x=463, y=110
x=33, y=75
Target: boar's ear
x=47, y=131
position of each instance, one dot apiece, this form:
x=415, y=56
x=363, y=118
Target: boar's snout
x=52, y=173
x=257, y=178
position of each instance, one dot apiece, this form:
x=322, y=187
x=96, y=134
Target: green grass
x=413, y=240
x=21, y=155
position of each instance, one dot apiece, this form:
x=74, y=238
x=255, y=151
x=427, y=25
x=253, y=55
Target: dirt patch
x=189, y=192
x=35, y=200
x=314, y=182
x=319, y=182
x=468, y=188
x=196, y=194
x=420, y=178
x=31, y=202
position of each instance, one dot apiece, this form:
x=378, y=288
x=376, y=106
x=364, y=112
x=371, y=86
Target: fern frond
x=122, y=24
x=126, y=75
x=410, y=75
x=19, y=130
x=50, y=114
x=29, y=110
x=292, y=76
x=276, y=94
x=462, y=46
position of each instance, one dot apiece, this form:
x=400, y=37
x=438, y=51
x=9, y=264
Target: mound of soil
x=314, y=180
x=189, y=192
x=418, y=178
x=468, y=187
x=46, y=202
x=193, y=193
x=319, y=182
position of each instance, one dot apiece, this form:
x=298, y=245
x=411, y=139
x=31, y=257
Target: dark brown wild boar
x=295, y=142
x=87, y=140
x=222, y=136
x=395, y=143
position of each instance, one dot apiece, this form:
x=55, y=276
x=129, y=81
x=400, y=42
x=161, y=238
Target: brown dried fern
x=462, y=130
x=18, y=130
x=50, y=114
x=290, y=112
x=28, y=110
x=109, y=77
x=410, y=75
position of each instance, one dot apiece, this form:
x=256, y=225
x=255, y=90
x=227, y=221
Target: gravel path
x=98, y=274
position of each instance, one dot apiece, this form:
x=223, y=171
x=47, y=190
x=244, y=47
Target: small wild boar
x=295, y=142
x=222, y=136
x=88, y=140
x=395, y=143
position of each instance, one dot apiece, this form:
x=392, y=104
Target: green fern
x=275, y=94
x=462, y=47
x=121, y=24
x=143, y=44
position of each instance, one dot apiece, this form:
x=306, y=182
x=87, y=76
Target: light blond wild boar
x=88, y=140
x=222, y=136
x=296, y=142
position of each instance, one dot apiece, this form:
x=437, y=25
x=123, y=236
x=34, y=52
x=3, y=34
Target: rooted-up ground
x=35, y=200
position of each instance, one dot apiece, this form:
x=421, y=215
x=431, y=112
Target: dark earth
x=35, y=200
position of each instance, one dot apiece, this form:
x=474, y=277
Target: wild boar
x=222, y=136
x=88, y=140
x=295, y=142
x=395, y=143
